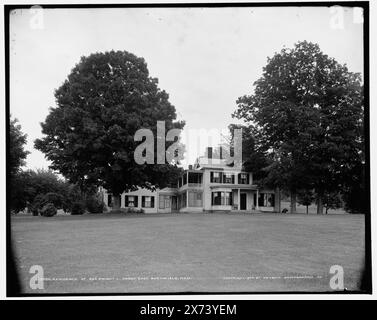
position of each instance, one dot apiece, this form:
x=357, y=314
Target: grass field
x=193, y=252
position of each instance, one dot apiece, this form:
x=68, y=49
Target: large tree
x=16, y=159
x=89, y=135
x=307, y=111
x=254, y=157
x=29, y=184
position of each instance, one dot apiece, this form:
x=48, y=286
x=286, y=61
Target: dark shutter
x=135, y=200
x=126, y=201
x=143, y=201
x=232, y=178
x=211, y=176
x=152, y=201
x=247, y=179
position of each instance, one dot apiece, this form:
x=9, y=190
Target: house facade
x=207, y=186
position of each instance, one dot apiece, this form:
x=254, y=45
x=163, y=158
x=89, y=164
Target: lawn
x=193, y=252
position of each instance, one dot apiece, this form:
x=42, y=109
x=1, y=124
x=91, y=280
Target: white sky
x=204, y=58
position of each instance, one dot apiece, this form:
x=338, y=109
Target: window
x=228, y=198
x=266, y=200
x=243, y=178
x=195, y=177
x=228, y=178
x=216, y=177
x=131, y=201
x=222, y=198
x=164, y=202
x=216, y=198
x=195, y=199
x=147, y=201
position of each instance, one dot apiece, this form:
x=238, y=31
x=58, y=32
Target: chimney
x=209, y=152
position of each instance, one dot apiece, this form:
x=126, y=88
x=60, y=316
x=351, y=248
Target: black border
x=12, y=284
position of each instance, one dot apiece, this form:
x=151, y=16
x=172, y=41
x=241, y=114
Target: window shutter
x=211, y=176
x=233, y=178
x=135, y=200
x=143, y=201
x=126, y=201
x=152, y=201
x=247, y=179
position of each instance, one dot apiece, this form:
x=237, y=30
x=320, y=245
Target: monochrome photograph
x=188, y=149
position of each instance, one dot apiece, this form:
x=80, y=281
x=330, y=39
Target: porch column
x=122, y=200
x=257, y=204
x=187, y=198
x=238, y=198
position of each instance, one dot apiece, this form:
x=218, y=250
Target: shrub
x=48, y=210
x=77, y=208
x=134, y=210
x=55, y=198
x=37, y=204
x=94, y=204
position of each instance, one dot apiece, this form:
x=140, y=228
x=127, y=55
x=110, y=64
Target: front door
x=243, y=201
x=174, y=204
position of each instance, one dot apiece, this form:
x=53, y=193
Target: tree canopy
x=89, y=135
x=17, y=141
x=307, y=113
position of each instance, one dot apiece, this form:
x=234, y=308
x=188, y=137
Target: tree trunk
x=277, y=206
x=307, y=209
x=116, y=203
x=327, y=209
x=293, y=201
x=320, y=204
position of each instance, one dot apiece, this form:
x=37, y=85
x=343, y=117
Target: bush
x=48, y=210
x=55, y=198
x=37, y=204
x=94, y=205
x=77, y=208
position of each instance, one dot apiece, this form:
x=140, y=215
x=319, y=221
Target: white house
x=210, y=185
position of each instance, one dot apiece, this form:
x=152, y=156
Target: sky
x=205, y=58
